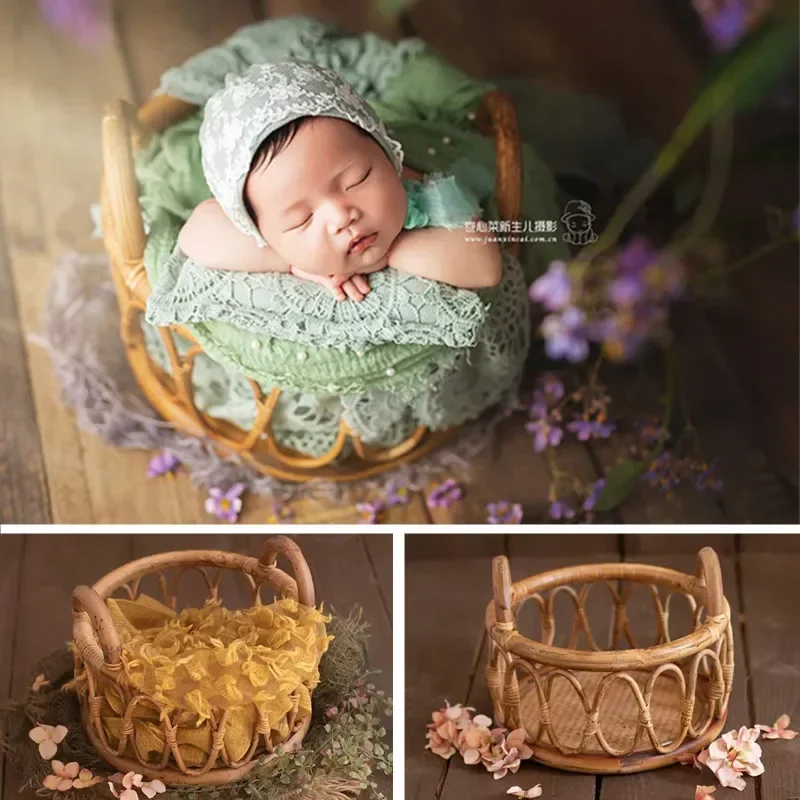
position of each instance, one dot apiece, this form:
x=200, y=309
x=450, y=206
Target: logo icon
x=578, y=218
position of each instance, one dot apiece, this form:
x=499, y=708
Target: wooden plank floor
x=51, y=471
x=448, y=584
x=38, y=573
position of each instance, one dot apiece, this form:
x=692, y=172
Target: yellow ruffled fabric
x=202, y=661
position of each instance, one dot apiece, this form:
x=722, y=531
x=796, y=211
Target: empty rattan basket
x=106, y=689
x=611, y=710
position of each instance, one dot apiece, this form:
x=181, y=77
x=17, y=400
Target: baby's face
x=329, y=185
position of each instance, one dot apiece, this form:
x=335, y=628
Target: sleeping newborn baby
x=306, y=180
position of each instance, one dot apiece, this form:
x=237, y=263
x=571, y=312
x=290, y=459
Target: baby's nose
x=340, y=215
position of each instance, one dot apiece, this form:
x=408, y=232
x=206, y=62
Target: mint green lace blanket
x=415, y=352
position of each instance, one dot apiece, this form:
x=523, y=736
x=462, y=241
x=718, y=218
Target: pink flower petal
x=51, y=782
x=64, y=784
x=47, y=749
x=59, y=732
x=704, y=792
x=727, y=776
x=39, y=734
x=471, y=756
x=72, y=769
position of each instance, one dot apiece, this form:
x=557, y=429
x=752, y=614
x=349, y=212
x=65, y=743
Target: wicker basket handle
x=501, y=589
x=91, y=624
x=710, y=572
x=283, y=545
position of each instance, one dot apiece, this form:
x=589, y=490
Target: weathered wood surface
x=446, y=596
x=39, y=572
x=52, y=471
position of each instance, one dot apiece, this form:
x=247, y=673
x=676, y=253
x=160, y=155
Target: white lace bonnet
x=239, y=116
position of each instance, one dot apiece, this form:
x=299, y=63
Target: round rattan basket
x=124, y=130
x=98, y=660
x=612, y=710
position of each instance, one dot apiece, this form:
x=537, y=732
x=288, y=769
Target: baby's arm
x=457, y=257
x=210, y=239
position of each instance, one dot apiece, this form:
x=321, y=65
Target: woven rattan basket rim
x=138, y=568
x=608, y=660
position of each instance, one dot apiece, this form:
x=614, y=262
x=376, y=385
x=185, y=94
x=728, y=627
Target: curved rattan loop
x=124, y=129
x=98, y=657
x=283, y=545
x=642, y=707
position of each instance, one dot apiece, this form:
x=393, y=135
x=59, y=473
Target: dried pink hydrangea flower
x=518, y=791
x=734, y=755
x=780, y=730
x=63, y=776
x=48, y=737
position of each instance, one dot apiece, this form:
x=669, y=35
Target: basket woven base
x=619, y=715
x=173, y=777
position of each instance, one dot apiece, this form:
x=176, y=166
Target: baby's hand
x=343, y=286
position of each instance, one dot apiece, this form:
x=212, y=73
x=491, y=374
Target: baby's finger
x=352, y=291
x=361, y=283
x=337, y=292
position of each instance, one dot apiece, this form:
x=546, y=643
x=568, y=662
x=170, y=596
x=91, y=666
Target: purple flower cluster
x=445, y=494
x=370, y=511
x=620, y=303
x=727, y=22
x=561, y=509
x=504, y=513
x=544, y=414
x=662, y=474
x=707, y=477
x=164, y=463
x=587, y=428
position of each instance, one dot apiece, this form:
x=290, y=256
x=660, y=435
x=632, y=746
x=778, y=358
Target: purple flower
x=504, y=513
x=370, y=511
x=725, y=21
x=561, y=510
x=662, y=473
x=565, y=335
x=595, y=492
x=626, y=291
x=225, y=505
x=396, y=494
x=635, y=255
x=590, y=428
x=445, y=494
x=553, y=289
x=708, y=478
x=545, y=434
x=165, y=463
x=549, y=390
x=650, y=432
